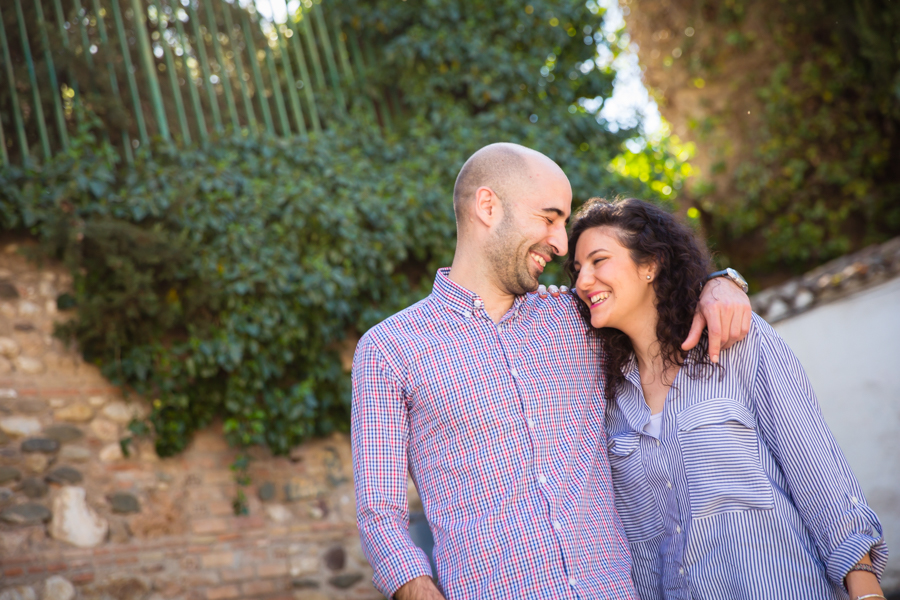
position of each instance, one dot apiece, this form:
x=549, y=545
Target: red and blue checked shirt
x=501, y=428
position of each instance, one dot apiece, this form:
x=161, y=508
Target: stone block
x=119, y=412
x=64, y=476
x=23, y=592
x=26, y=514
x=222, y=592
x=125, y=503
x=217, y=559
x=44, y=445
x=9, y=347
x=6, y=366
x=105, y=430
x=111, y=452
x=29, y=365
x=33, y=487
x=335, y=558
x=345, y=580
x=58, y=588
x=78, y=412
x=74, y=521
x=272, y=569
x=74, y=454
x=36, y=463
x=20, y=426
x=8, y=474
x=266, y=491
x=63, y=433
x=31, y=405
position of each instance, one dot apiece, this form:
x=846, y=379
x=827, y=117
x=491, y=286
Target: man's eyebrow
x=555, y=211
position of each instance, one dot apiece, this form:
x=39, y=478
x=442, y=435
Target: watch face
x=736, y=277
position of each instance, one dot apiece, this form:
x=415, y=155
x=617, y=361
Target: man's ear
x=487, y=209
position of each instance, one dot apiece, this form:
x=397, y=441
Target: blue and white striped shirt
x=744, y=495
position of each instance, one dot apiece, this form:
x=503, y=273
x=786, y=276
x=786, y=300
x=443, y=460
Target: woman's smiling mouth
x=599, y=298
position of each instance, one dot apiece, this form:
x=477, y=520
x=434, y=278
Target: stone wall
x=78, y=519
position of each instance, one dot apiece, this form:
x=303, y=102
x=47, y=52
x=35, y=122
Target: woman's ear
x=648, y=272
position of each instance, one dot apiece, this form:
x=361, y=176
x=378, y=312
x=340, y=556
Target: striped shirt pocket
x=720, y=450
x=634, y=499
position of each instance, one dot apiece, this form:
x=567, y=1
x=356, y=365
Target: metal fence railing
x=178, y=70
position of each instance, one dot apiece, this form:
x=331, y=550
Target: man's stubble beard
x=509, y=258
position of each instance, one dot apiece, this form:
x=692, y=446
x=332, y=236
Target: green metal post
x=51, y=70
x=276, y=87
x=80, y=14
x=199, y=117
x=239, y=68
x=64, y=36
x=113, y=80
x=146, y=55
x=173, y=76
x=32, y=77
x=306, y=19
x=13, y=94
x=342, y=48
x=289, y=75
x=204, y=66
x=223, y=70
x=129, y=72
x=257, y=76
x=329, y=58
x=304, y=76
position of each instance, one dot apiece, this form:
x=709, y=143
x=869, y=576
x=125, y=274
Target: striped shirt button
x=669, y=484
x=657, y=443
x=678, y=529
x=854, y=499
x=681, y=571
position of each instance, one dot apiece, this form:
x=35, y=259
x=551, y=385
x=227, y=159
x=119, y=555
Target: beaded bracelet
x=863, y=567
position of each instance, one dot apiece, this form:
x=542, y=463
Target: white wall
x=851, y=350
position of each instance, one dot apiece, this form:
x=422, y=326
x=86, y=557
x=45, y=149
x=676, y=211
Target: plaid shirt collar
x=460, y=300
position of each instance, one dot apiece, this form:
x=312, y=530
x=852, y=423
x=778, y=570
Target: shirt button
x=681, y=571
x=467, y=314
x=479, y=304
x=557, y=525
x=669, y=484
x=854, y=499
x=678, y=529
x=572, y=581
x=657, y=443
x=515, y=373
x=531, y=423
x=542, y=479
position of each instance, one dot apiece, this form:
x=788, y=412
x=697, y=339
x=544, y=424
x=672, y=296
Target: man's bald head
x=504, y=168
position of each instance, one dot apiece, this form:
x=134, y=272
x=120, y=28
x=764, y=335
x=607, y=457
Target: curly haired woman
x=727, y=480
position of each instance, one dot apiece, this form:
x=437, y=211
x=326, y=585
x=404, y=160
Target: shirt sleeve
x=820, y=481
x=380, y=437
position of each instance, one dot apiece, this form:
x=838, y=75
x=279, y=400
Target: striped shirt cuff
x=403, y=566
x=854, y=547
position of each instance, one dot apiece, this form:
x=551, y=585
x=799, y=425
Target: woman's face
x=614, y=287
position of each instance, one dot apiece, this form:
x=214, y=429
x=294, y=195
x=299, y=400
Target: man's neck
x=472, y=276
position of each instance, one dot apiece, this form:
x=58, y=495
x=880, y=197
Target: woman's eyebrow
x=593, y=252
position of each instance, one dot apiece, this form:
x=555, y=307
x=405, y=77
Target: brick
x=54, y=568
x=218, y=559
x=220, y=508
x=276, y=569
x=222, y=592
x=36, y=569
x=239, y=574
x=13, y=572
x=210, y=525
x=201, y=579
x=257, y=588
x=85, y=577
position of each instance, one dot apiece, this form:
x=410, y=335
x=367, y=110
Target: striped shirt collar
x=465, y=302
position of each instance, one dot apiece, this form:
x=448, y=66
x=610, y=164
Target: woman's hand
x=724, y=310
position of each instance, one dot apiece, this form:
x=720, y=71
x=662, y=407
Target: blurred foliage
x=820, y=177
x=225, y=281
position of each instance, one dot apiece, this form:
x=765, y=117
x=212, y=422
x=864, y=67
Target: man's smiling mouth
x=539, y=260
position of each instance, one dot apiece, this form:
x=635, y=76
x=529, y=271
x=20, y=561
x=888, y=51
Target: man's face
x=532, y=230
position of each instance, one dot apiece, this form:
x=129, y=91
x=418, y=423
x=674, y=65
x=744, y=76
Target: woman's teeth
x=539, y=259
x=598, y=298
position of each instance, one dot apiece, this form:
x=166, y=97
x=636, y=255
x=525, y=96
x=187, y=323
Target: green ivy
x=223, y=282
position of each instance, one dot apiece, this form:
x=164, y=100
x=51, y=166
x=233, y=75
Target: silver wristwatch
x=733, y=275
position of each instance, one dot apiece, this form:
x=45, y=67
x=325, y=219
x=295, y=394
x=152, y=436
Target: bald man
x=491, y=399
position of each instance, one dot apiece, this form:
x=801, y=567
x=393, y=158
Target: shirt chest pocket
x=720, y=449
x=635, y=502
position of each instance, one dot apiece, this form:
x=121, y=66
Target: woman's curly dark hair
x=651, y=235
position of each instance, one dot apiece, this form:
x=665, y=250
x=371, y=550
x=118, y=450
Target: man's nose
x=559, y=241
